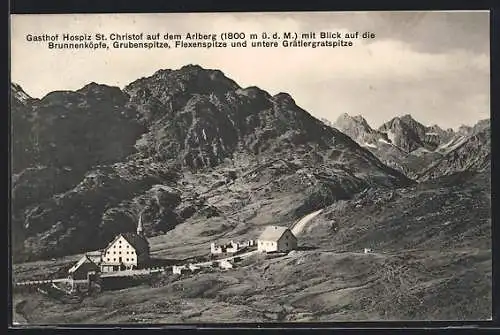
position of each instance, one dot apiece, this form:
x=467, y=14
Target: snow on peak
x=391, y=136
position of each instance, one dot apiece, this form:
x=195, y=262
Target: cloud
x=402, y=69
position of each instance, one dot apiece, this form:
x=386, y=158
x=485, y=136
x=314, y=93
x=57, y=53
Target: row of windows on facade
x=119, y=252
x=114, y=259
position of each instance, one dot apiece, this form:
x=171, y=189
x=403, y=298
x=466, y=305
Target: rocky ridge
x=410, y=147
x=167, y=145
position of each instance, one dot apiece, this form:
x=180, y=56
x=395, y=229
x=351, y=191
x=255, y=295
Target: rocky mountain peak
x=436, y=128
x=102, y=92
x=407, y=118
x=471, y=152
x=414, y=124
x=404, y=132
x=105, y=149
x=360, y=119
x=284, y=98
x=345, y=121
x=253, y=92
x=464, y=130
x=95, y=88
x=481, y=125
x=18, y=94
x=359, y=130
x=191, y=67
x=167, y=91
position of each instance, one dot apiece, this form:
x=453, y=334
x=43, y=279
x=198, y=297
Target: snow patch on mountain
x=452, y=144
x=383, y=141
x=391, y=136
x=369, y=145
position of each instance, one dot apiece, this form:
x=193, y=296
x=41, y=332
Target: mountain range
x=201, y=159
x=189, y=143
x=421, y=152
x=85, y=163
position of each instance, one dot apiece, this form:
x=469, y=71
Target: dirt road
x=299, y=225
x=243, y=255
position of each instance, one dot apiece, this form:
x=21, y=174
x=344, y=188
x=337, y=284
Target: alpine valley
x=204, y=160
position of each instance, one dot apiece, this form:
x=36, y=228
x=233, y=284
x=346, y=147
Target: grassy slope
x=431, y=260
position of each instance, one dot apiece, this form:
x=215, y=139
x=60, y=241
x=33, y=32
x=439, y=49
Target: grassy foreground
x=431, y=260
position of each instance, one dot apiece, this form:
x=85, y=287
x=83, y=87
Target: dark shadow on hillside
x=306, y=248
x=120, y=283
x=453, y=179
x=161, y=262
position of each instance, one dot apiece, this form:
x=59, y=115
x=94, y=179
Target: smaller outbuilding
x=179, y=269
x=82, y=268
x=95, y=256
x=225, y=265
x=230, y=248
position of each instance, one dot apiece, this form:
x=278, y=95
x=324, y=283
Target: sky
x=432, y=65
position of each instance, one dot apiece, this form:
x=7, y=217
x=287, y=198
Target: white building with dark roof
x=276, y=238
x=126, y=251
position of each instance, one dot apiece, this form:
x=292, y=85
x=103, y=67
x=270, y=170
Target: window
x=114, y=259
x=127, y=259
x=114, y=252
x=119, y=252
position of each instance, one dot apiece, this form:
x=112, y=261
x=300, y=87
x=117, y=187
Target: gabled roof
x=82, y=261
x=273, y=233
x=94, y=253
x=138, y=242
